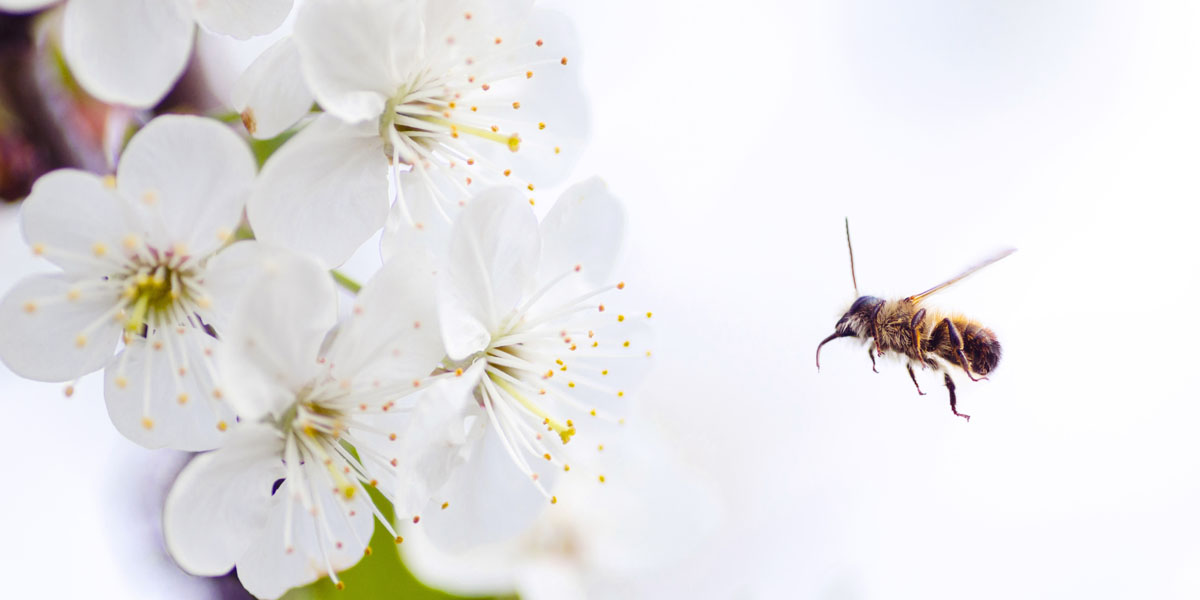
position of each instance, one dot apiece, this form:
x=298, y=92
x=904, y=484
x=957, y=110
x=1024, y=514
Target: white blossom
x=285, y=501
x=139, y=264
x=547, y=367
x=445, y=95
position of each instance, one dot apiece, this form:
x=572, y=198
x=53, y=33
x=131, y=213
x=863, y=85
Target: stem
x=341, y=279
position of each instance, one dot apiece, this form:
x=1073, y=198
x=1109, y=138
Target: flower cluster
x=483, y=367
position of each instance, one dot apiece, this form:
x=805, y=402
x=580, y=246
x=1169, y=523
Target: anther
x=80, y=340
x=416, y=519
x=30, y=307
x=528, y=74
x=222, y=426
x=445, y=505
x=147, y=422
x=563, y=61
x=182, y=399
x=516, y=105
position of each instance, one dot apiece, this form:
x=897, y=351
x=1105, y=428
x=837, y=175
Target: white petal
x=494, y=250
x=324, y=191
x=76, y=213
x=220, y=501
x=392, y=333
x=127, y=51
x=23, y=6
x=355, y=52
x=49, y=337
x=491, y=501
x=242, y=19
x=415, y=220
x=153, y=405
x=440, y=435
x=585, y=228
x=267, y=569
x=269, y=352
x=191, y=174
x=271, y=95
x=226, y=274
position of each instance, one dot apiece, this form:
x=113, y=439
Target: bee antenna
x=851, y=248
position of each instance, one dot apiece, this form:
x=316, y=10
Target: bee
x=925, y=337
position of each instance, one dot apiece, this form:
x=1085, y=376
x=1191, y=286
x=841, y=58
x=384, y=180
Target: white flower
x=454, y=94
x=285, y=500
x=132, y=51
x=597, y=543
x=545, y=362
x=136, y=253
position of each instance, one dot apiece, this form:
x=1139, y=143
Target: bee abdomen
x=980, y=345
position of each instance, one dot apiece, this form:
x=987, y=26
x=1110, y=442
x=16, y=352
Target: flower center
x=425, y=120
x=152, y=291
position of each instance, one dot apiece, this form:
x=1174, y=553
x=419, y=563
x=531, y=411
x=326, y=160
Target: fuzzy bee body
x=924, y=337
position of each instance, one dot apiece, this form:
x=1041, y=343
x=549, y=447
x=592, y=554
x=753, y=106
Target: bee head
x=855, y=323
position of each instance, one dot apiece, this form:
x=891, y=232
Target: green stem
x=341, y=279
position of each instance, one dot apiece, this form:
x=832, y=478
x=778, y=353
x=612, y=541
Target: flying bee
x=925, y=337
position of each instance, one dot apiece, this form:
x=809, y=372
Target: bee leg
x=875, y=327
x=914, y=378
x=915, y=324
x=953, y=400
x=956, y=339
x=871, y=355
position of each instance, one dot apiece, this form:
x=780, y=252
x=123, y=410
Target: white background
x=740, y=134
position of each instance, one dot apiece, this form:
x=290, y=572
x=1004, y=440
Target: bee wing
x=957, y=278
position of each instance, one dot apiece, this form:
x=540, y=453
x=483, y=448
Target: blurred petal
x=242, y=19
x=21, y=6
x=73, y=211
x=271, y=95
x=191, y=174
x=494, y=250
x=586, y=228
x=221, y=500
x=270, y=351
x=155, y=406
x=549, y=579
x=325, y=191
x=351, y=52
x=128, y=51
x=48, y=336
